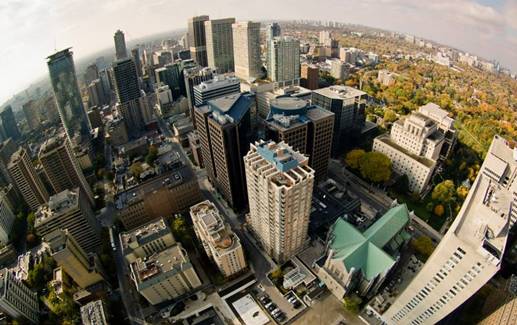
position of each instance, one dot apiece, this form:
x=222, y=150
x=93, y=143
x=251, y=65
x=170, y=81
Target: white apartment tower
x=471, y=251
x=413, y=145
x=221, y=244
x=280, y=183
x=219, y=44
x=246, y=50
x=284, y=59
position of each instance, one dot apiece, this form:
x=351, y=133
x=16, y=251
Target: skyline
x=476, y=26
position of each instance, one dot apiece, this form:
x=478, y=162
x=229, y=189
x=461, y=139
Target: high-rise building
x=348, y=105
x=217, y=87
x=284, y=59
x=221, y=244
x=136, y=54
x=267, y=92
x=125, y=80
x=273, y=30
x=91, y=73
x=6, y=218
x=225, y=132
x=164, y=275
x=83, y=268
x=445, y=125
x=9, y=123
x=310, y=76
x=197, y=39
x=62, y=168
x=68, y=97
x=219, y=44
x=305, y=128
x=246, y=49
x=16, y=299
x=27, y=181
x=120, y=45
x=7, y=149
x=325, y=38
x=170, y=75
x=338, y=69
x=32, y=113
x=70, y=210
x=94, y=313
x=96, y=96
x=280, y=184
x=471, y=252
x=194, y=76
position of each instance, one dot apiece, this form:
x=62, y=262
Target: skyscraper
x=197, y=39
x=193, y=76
x=284, y=60
x=220, y=86
x=273, y=30
x=62, y=168
x=280, y=186
x=306, y=128
x=246, y=49
x=16, y=299
x=27, y=181
x=136, y=54
x=120, y=45
x=68, y=97
x=310, y=76
x=225, y=132
x=70, y=210
x=9, y=123
x=471, y=252
x=6, y=218
x=219, y=44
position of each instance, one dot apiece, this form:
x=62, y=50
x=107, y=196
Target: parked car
x=271, y=307
x=280, y=317
x=276, y=312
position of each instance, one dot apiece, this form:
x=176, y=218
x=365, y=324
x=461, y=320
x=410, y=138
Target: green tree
x=136, y=169
x=352, y=303
x=353, y=157
x=41, y=273
x=375, y=167
x=423, y=246
x=389, y=116
x=444, y=192
x=180, y=230
x=152, y=154
x=402, y=184
x=277, y=273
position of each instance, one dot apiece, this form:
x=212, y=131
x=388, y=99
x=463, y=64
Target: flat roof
x=340, y=92
x=249, y=311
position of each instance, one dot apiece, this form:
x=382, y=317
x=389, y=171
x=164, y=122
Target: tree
x=423, y=245
x=352, y=303
x=136, y=169
x=439, y=210
x=389, y=116
x=402, y=184
x=375, y=167
x=353, y=157
x=277, y=273
x=444, y=192
x=152, y=154
x=180, y=230
x=462, y=192
x=41, y=273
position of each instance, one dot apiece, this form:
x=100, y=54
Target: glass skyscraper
x=66, y=91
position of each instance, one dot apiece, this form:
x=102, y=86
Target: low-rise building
x=146, y=240
x=356, y=261
x=165, y=275
x=94, y=313
x=221, y=244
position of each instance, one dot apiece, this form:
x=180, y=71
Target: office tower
x=94, y=313
x=471, y=251
x=7, y=149
x=120, y=45
x=221, y=244
x=162, y=58
x=6, y=218
x=219, y=44
x=84, y=269
x=165, y=275
x=91, y=73
x=70, y=210
x=146, y=240
x=94, y=115
x=136, y=54
x=16, y=299
x=246, y=49
x=61, y=166
x=96, y=95
x=445, y=125
x=194, y=76
x=305, y=128
x=413, y=146
x=284, y=59
x=273, y=30
x=197, y=39
x=310, y=76
x=338, y=69
x=68, y=97
x=101, y=63
x=357, y=261
x=32, y=114
x=26, y=179
x=280, y=184
x=225, y=132
x=9, y=123
x=173, y=191
x=170, y=75
x=266, y=92
x=217, y=87
x=348, y=105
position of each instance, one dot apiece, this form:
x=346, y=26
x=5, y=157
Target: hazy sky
x=31, y=29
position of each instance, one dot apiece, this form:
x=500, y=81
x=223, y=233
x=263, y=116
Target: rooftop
x=231, y=108
x=386, y=139
x=144, y=234
x=436, y=113
x=340, y=92
x=280, y=155
x=364, y=251
x=57, y=205
x=219, y=81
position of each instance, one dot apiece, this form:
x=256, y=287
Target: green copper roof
x=364, y=251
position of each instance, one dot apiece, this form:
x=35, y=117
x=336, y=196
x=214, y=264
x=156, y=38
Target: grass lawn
x=420, y=209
